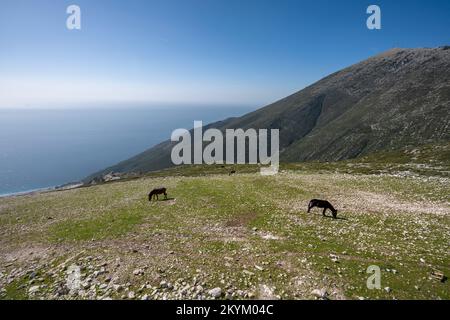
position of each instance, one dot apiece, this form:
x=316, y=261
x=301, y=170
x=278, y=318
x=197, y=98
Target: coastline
x=27, y=192
x=68, y=186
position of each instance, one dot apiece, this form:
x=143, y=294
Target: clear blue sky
x=224, y=52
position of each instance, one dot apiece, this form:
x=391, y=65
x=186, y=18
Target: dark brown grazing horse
x=232, y=172
x=322, y=204
x=156, y=192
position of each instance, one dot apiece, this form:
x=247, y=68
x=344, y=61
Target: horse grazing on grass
x=322, y=204
x=156, y=192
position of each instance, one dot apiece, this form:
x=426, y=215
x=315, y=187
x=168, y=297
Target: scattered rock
x=215, y=293
x=320, y=293
x=249, y=273
x=269, y=236
x=138, y=272
x=267, y=293
x=33, y=290
x=334, y=258
x=61, y=290
x=117, y=287
x=438, y=275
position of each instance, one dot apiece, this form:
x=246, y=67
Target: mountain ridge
x=394, y=99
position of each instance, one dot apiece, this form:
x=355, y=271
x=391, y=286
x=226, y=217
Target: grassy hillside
x=246, y=234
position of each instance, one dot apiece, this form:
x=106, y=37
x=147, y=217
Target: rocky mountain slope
x=396, y=99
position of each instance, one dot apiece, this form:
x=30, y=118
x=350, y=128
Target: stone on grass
x=215, y=293
x=320, y=293
x=33, y=290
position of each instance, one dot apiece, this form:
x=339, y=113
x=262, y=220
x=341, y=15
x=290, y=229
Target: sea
x=44, y=148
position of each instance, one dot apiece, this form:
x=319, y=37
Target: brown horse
x=322, y=204
x=156, y=192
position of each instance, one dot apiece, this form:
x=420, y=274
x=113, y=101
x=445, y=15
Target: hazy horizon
x=197, y=52
x=45, y=148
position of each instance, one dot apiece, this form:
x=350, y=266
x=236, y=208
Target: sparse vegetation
x=246, y=234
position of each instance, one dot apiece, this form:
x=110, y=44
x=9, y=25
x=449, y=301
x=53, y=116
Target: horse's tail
x=150, y=195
